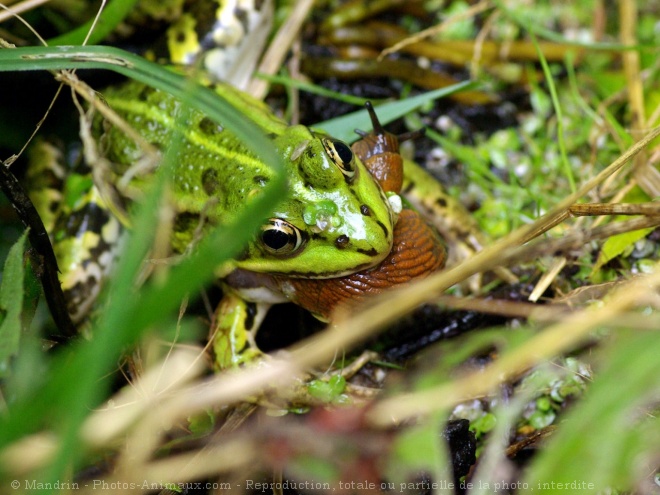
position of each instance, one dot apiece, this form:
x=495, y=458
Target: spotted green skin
x=346, y=224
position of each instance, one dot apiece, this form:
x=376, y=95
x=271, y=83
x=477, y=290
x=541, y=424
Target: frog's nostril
x=342, y=241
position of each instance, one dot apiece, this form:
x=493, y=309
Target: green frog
x=335, y=210
x=336, y=223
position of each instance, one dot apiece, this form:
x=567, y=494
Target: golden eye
x=342, y=155
x=281, y=237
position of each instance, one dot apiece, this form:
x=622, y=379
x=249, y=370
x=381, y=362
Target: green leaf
x=549, y=79
x=343, y=127
x=11, y=303
x=617, y=245
x=327, y=391
x=483, y=424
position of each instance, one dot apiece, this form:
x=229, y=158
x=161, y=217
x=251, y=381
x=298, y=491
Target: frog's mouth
x=318, y=259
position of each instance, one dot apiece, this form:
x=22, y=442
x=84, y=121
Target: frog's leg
x=83, y=233
x=233, y=333
x=86, y=241
x=44, y=180
x=447, y=215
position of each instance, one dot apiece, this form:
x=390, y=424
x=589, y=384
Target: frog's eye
x=280, y=237
x=340, y=153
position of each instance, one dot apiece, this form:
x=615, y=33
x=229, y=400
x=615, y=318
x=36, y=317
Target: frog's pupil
x=275, y=239
x=344, y=152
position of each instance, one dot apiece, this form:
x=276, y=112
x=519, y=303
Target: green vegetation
x=576, y=378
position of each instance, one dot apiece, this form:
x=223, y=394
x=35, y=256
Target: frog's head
x=336, y=219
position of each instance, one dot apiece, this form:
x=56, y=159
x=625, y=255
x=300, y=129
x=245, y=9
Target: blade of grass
x=313, y=89
x=568, y=171
x=11, y=303
x=569, y=63
x=113, y=14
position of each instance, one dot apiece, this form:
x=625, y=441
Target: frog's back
x=213, y=165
